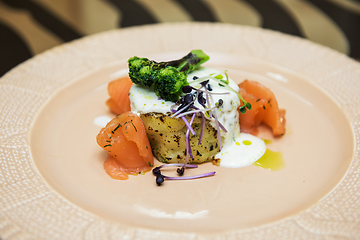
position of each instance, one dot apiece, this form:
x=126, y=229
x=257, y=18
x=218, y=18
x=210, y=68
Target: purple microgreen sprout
x=182, y=109
x=196, y=111
x=181, y=170
x=160, y=177
x=202, y=125
x=222, y=127
x=223, y=93
x=156, y=170
x=213, y=113
x=188, y=100
x=246, y=105
x=186, y=123
x=188, y=138
x=202, y=128
x=207, y=98
x=217, y=124
x=190, y=177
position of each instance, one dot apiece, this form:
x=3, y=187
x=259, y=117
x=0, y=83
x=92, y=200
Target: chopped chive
x=133, y=125
x=117, y=127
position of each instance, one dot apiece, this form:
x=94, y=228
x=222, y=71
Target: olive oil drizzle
x=271, y=160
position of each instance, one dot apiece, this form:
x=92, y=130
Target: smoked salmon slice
x=118, y=90
x=265, y=109
x=125, y=140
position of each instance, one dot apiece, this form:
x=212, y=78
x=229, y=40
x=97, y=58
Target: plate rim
x=42, y=95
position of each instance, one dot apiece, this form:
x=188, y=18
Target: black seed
x=180, y=171
x=195, y=77
x=156, y=171
x=187, y=89
x=159, y=179
x=209, y=88
x=188, y=98
x=201, y=99
x=220, y=102
x=205, y=82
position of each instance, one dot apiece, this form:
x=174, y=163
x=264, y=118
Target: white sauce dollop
x=243, y=151
x=101, y=121
x=234, y=152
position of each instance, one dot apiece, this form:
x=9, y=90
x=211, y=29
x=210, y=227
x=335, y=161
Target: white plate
x=53, y=185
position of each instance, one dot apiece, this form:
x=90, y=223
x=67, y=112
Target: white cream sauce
x=243, y=151
x=144, y=100
x=101, y=121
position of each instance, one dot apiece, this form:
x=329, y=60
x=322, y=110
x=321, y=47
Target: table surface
x=29, y=27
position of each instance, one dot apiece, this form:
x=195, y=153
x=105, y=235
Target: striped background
x=28, y=27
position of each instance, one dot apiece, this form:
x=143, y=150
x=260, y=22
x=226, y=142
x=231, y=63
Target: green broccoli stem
x=188, y=63
x=193, y=60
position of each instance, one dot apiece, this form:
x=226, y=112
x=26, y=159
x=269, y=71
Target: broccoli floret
x=170, y=86
x=168, y=78
x=141, y=71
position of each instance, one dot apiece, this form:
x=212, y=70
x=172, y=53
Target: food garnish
x=167, y=78
x=266, y=109
x=185, y=106
x=118, y=90
x=160, y=177
x=197, y=118
x=125, y=140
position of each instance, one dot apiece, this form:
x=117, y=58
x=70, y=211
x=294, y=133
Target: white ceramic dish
x=53, y=184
